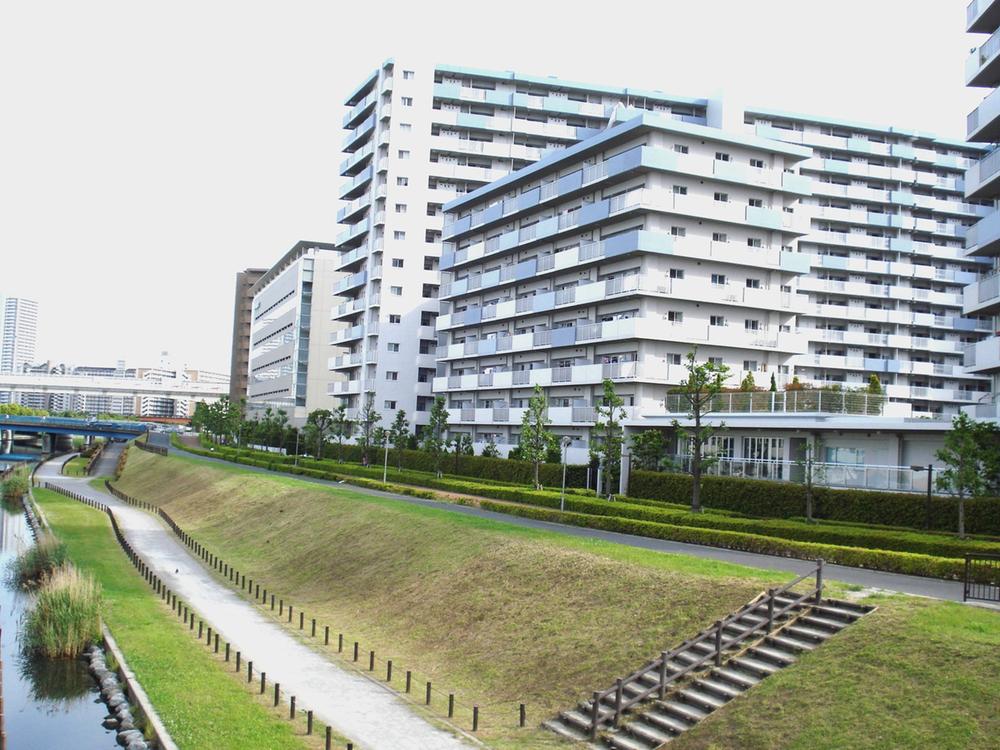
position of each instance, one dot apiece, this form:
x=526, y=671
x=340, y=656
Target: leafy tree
x=774, y=384
x=647, y=449
x=874, y=384
x=535, y=437
x=490, y=450
x=608, y=434
x=399, y=435
x=813, y=471
x=319, y=425
x=972, y=456
x=342, y=428
x=433, y=434
x=368, y=419
x=462, y=445
x=702, y=384
x=748, y=385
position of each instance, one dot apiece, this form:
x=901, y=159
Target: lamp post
x=929, y=468
x=565, y=445
x=385, y=462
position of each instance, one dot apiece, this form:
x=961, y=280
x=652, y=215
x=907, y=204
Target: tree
x=535, y=437
x=698, y=390
x=399, y=435
x=342, y=428
x=462, y=444
x=972, y=458
x=774, y=384
x=813, y=471
x=319, y=425
x=608, y=431
x=874, y=385
x=748, y=385
x=647, y=449
x=368, y=419
x=490, y=450
x=433, y=434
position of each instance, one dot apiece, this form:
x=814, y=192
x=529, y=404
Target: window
x=756, y=203
x=395, y=318
x=750, y=365
x=715, y=360
x=399, y=235
x=675, y=316
x=403, y=154
x=751, y=325
x=400, y=208
x=397, y=262
x=753, y=242
x=678, y=231
x=407, y=101
x=753, y=283
x=720, y=237
x=403, y=181
x=717, y=320
x=680, y=190
x=391, y=375
x=405, y=127
x=845, y=455
x=673, y=359
x=680, y=148
x=396, y=291
x=722, y=197
x=430, y=262
x=719, y=279
x=677, y=273
x=408, y=75
x=392, y=346
x=721, y=156
x=757, y=163
x=388, y=404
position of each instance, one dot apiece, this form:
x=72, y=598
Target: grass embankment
x=200, y=703
x=502, y=614
x=76, y=467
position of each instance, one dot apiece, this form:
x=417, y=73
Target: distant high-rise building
x=18, y=332
x=242, y=309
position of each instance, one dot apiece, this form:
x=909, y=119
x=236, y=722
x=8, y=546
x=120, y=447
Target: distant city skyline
x=138, y=181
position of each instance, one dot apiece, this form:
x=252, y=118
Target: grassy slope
x=507, y=614
x=75, y=467
x=201, y=705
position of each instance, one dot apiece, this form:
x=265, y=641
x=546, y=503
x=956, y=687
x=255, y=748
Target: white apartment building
x=417, y=137
x=612, y=259
x=889, y=224
x=982, y=183
x=18, y=335
x=291, y=327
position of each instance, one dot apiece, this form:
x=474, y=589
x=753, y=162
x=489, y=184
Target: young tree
x=433, y=435
x=749, y=385
x=774, y=384
x=490, y=450
x=697, y=391
x=399, y=435
x=535, y=437
x=368, y=419
x=874, y=385
x=343, y=427
x=972, y=457
x=319, y=425
x=647, y=449
x=813, y=471
x=608, y=434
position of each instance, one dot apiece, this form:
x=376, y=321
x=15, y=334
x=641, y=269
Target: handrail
x=721, y=642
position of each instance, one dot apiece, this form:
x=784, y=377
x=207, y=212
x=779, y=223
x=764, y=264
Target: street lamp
x=565, y=445
x=385, y=464
x=929, y=468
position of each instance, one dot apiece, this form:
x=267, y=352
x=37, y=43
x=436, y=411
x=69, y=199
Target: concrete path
x=108, y=462
x=917, y=585
x=369, y=714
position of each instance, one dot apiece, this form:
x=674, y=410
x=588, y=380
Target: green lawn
x=202, y=704
x=76, y=466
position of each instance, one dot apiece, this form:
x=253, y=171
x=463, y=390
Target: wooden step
x=790, y=643
x=723, y=689
x=779, y=657
x=702, y=698
x=686, y=711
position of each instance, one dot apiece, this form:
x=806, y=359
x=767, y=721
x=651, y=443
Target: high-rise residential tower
x=18, y=335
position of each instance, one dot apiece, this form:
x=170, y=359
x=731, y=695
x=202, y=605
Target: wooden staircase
x=672, y=693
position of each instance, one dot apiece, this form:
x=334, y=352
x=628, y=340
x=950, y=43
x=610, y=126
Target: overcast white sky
x=148, y=151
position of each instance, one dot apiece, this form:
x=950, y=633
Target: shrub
x=35, y=563
x=16, y=485
x=66, y=617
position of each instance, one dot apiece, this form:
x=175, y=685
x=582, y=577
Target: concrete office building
x=417, y=137
x=982, y=183
x=18, y=335
x=291, y=326
x=242, y=310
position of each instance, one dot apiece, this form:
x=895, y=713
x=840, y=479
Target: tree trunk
x=696, y=466
x=961, y=517
x=537, y=486
x=809, y=500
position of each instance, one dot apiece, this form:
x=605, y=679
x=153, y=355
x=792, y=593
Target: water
x=48, y=703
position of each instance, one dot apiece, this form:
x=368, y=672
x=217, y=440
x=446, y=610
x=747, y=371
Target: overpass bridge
x=111, y=386
x=11, y=424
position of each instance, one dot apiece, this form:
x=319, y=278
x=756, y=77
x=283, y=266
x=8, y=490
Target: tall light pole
x=385, y=463
x=565, y=445
x=929, y=468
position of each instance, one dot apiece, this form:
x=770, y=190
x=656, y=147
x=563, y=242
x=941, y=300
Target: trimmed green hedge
x=769, y=499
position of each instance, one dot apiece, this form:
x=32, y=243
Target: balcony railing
x=808, y=401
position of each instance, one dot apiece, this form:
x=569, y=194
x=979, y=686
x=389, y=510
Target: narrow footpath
x=930, y=587
x=356, y=707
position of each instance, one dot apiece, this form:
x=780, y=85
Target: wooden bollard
x=475, y=718
x=289, y=612
x=291, y=709
x=371, y=661
x=409, y=676
x=451, y=705
x=523, y=716
x=250, y=670
x=302, y=620
x=277, y=691
x=326, y=635
x=263, y=682
x=428, y=693
x=281, y=607
x=201, y=631
x=340, y=643
x=309, y=722
x=227, y=650
x=314, y=627
x=237, y=661
x=355, y=651
x=329, y=739
x=388, y=671
x=216, y=643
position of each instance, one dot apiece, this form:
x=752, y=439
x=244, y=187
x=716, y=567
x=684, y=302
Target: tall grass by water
x=66, y=617
x=33, y=565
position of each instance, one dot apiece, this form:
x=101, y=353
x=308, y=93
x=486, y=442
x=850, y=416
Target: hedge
x=770, y=499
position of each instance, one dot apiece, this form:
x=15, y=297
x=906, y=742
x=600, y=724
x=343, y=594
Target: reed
x=66, y=617
x=32, y=566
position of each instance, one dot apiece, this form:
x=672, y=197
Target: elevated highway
x=111, y=386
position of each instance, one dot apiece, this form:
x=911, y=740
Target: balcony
x=356, y=161
x=348, y=259
x=362, y=89
x=354, y=209
x=353, y=235
x=347, y=334
x=351, y=307
x=786, y=402
x=982, y=16
x=981, y=180
x=353, y=281
x=983, y=357
x=582, y=374
x=983, y=296
x=983, y=238
x=357, y=113
x=982, y=68
x=580, y=416
x=343, y=387
x=357, y=137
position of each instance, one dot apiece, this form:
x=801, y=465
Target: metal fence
x=982, y=578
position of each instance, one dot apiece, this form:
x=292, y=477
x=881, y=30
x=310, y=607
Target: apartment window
x=751, y=325
x=403, y=181
x=388, y=404
x=720, y=237
x=399, y=235
x=715, y=360
x=395, y=318
x=675, y=316
x=430, y=262
x=680, y=190
x=396, y=291
x=719, y=279
x=757, y=163
x=680, y=148
x=673, y=359
x=407, y=101
x=722, y=197
x=397, y=262
x=756, y=203
x=677, y=273
x=408, y=75
x=403, y=154
x=391, y=375
x=721, y=156
x=750, y=365
x=405, y=127
x=754, y=242
x=678, y=231
x=753, y=283
x=392, y=346
x=400, y=208
x=717, y=320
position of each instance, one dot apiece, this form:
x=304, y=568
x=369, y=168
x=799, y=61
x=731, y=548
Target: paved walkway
x=369, y=714
x=108, y=462
x=930, y=587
